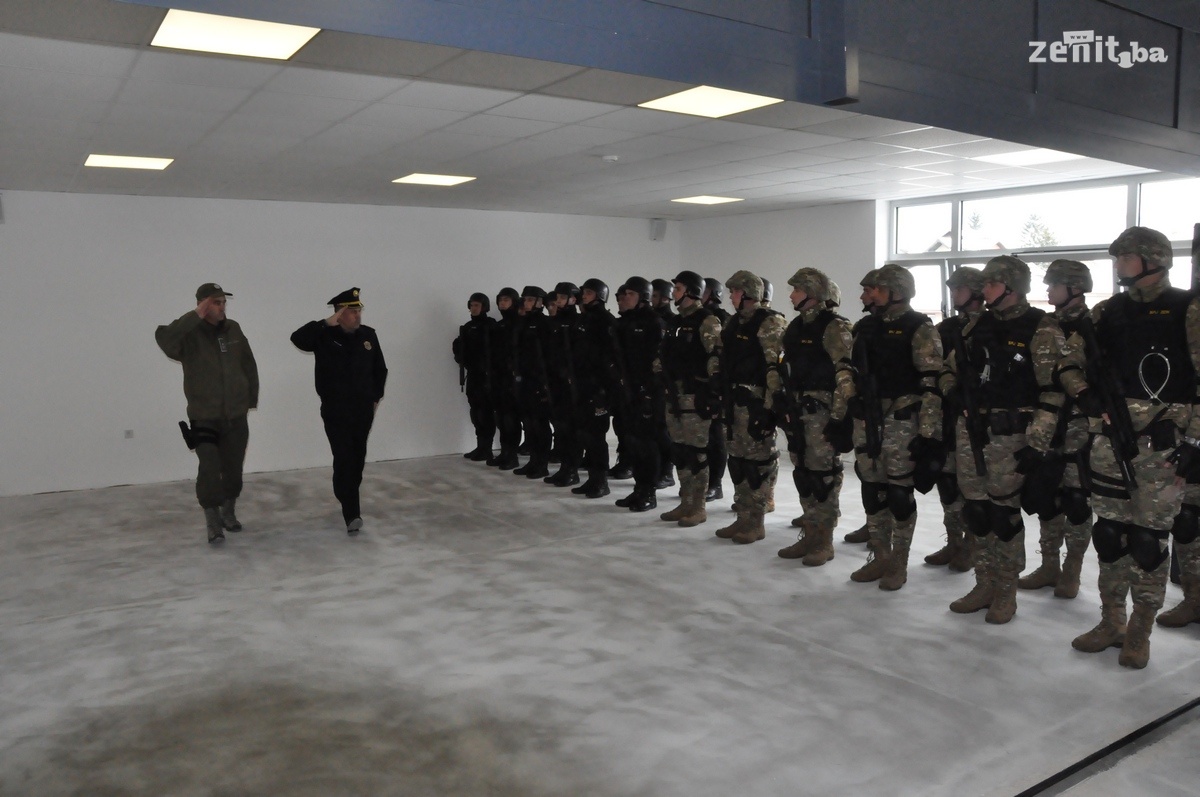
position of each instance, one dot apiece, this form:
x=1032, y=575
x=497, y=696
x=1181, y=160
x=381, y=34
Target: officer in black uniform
x=593, y=367
x=718, y=456
x=350, y=377
x=533, y=387
x=473, y=353
x=504, y=386
x=661, y=301
x=563, y=387
x=639, y=336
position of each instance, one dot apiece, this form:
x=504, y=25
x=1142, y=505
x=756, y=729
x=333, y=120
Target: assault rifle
x=967, y=382
x=1119, y=426
x=868, y=388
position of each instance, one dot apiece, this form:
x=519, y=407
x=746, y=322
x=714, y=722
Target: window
x=1041, y=220
x=1172, y=207
x=922, y=229
x=930, y=290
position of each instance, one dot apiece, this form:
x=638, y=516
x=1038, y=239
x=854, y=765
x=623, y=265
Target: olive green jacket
x=220, y=377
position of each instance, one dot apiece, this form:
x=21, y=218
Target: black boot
x=630, y=499
x=714, y=494
x=620, y=471
x=599, y=488
x=665, y=481
x=645, y=502
x=565, y=477
x=536, y=469
x=508, y=459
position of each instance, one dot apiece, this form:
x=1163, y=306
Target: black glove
x=929, y=458
x=1089, y=403
x=840, y=434
x=1186, y=459
x=1029, y=459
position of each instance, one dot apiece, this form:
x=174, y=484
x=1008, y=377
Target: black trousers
x=718, y=454
x=643, y=441
x=592, y=433
x=347, y=427
x=221, y=449
x=483, y=414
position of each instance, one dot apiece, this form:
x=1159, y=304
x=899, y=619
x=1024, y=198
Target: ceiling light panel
x=707, y=200
x=416, y=178
x=212, y=33
x=127, y=162
x=1029, y=157
x=710, y=102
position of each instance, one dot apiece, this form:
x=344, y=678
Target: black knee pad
x=757, y=471
x=803, y=482
x=977, y=517
x=1075, y=504
x=1039, y=494
x=1006, y=521
x=1108, y=539
x=874, y=497
x=901, y=502
x=947, y=487
x=1187, y=524
x=737, y=469
x=1146, y=547
x=822, y=482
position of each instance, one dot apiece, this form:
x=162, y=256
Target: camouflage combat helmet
x=898, y=280
x=813, y=282
x=966, y=277
x=1012, y=271
x=1072, y=273
x=1150, y=245
x=869, y=279
x=834, y=298
x=750, y=285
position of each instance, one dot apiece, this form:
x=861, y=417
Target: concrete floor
x=488, y=635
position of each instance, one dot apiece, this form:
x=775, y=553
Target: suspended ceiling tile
x=346, y=51
x=23, y=85
x=343, y=85
x=791, y=115
x=276, y=105
x=501, y=71
x=913, y=158
x=179, y=96
x=443, y=96
x=203, y=70
x=617, y=88
x=643, y=120
x=84, y=20
x=929, y=137
x=862, y=127
x=29, y=52
x=548, y=109
x=484, y=124
x=406, y=117
x=855, y=149
x=791, y=141
x=975, y=149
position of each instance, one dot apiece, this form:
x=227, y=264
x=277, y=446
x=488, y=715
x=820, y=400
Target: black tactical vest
x=742, y=361
x=1003, y=357
x=684, y=356
x=1146, y=343
x=887, y=345
x=808, y=364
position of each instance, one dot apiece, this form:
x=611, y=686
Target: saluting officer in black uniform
x=350, y=376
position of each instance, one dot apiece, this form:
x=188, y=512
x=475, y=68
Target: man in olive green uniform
x=966, y=295
x=897, y=355
x=220, y=381
x=1137, y=361
x=1053, y=490
x=690, y=364
x=750, y=346
x=819, y=382
x=1011, y=351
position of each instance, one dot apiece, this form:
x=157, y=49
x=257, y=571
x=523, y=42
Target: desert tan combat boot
x=733, y=528
x=1135, y=652
x=752, y=531
x=945, y=554
x=1110, y=633
x=1045, y=576
x=980, y=597
x=1188, y=610
x=858, y=535
x=964, y=558
x=679, y=512
x=876, y=566
x=1068, y=582
x=801, y=546
x=897, y=570
x=1004, y=599
x=697, y=513
x=821, y=550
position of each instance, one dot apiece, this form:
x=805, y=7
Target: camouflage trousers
x=817, y=473
x=1153, y=505
x=952, y=516
x=753, y=465
x=689, y=442
x=999, y=488
x=1189, y=552
x=892, y=468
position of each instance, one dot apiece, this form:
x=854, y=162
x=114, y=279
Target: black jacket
x=350, y=368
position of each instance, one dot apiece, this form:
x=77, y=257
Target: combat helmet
x=970, y=278
x=662, y=287
x=567, y=289
x=813, y=282
x=1150, y=245
x=1072, y=273
x=768, y=291
x=834, y=299
x=600, y=287
x=1010, y=270
x=750, y=285
x=639, y=285
x=693, y=284
x=897, y=279
x=534, y=291
x=482, y=299
x=512, y=295
x=716, y=291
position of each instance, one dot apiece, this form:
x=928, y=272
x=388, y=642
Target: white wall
x=838, y=239
x=87, y=279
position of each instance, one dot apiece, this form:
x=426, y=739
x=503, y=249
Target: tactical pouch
x=1162, y=434
x=760, y=421
x=1005, y=423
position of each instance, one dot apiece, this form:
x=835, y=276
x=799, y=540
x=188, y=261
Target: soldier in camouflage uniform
x=819, y=383
x=966, y=294
x=897, y=357
x=718, y=454
x=1059, y=439
x=867, y=283
x=1187, y=551
x=1149, y=340
x=690, y=364
x=750, y=347
x=1011, y=350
